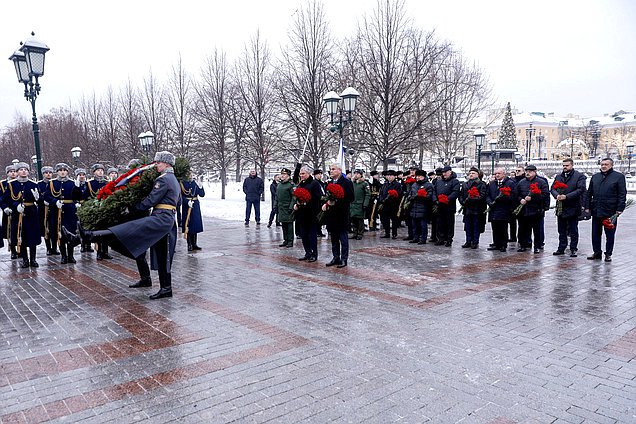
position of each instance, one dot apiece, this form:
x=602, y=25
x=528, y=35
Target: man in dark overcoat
x=473, y=207
x=253, y=187
x=531, y=215
x=446, y=185
x=337, y=217
x=306, y=215
x=569, y=206
x=390, y=205
x=501, y=201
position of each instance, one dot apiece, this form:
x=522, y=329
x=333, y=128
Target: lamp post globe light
x=493, y=149
x=630, y=151
x=340, y=109
x=480, y=136
x=76, y=152
x=34, y=160
x=14, y=161
x=29, y=67
x=146, y=139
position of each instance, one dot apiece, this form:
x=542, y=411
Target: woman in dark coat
x=474, y=205
x=192, y=223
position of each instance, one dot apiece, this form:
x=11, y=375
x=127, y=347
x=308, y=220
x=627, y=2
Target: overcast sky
x=562, y=56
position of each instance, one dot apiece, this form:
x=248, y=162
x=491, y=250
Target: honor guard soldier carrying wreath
x=20, y=200
x=61, y=195
x=191, y=190
x=158, y=231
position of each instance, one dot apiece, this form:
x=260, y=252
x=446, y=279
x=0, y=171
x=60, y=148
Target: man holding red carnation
x=501, y=202
x=422, y=196
x=531, y=193
x=339, y=195
x=447, y=190
x=472, y=197
x=606, y=199
x=306, y=208
x=568, y=189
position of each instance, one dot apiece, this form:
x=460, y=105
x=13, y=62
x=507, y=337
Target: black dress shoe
x=304, y=258
x=106, y=256
x=195, y=247
x=474, y=245
x=24, y=263
x=448, y=244
x=14, y=256
x=608, y=258
x=536, y=250
x=163, y=292
x=71, y=260
x=144, y=282
x=342, y=264
x=189, y=248
x=595, y=257
x=64, y=260
x=439, y=243
x=83, y=249
x=422, y=241
x=493, y=248
x=283, y=244
x=573, y=253
x=333, y=262
x=503, y=249
x=558, y=252
x=522, y=249
x=414, y=241
x=407, y=238
x=466, y=245
x=394, y=237
x=312, y=259
x=34, y=264
x=269, y=225
x=49, y=252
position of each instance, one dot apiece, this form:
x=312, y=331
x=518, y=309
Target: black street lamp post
x=540, y=140
x=146, y=140
x=29, y=67
x=529, y=133
x=480, y=136
x=343, y=105
x=571, y=144
x=76, y=152
x=630, y=151
x=493, y=150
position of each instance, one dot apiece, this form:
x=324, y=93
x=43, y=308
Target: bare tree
x=238, y=121
x=212, y=112
x=130, y=119
x=304, y=79
x=179, y=107
x=110, y=140
x=255, y=83
x=152, y=99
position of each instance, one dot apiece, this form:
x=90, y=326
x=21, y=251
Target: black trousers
x=568, y=227
x=390, y=223
x=530, y=226
x=309, y=235
x=445, y=226
x=340, y=244
x=500, y=233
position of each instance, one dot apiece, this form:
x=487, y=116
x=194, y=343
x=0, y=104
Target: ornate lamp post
x=146, y=139
x=480, y=136
x=29, y=67
x=529, y=133
x=14, y=161
x=493, y=150
x=630, y=150
x=34, y=160
x=572, y=144
x=540, y=140
x=76, y=152
x=343, y=105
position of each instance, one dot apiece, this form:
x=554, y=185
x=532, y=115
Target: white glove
x=77, y=205
x=36, y=194
x=59, y=204
x=190, y=203
x=77, y=182
x=46, y=203
x=199, y=183
x=7, y=211
x=20, y=208
x=126, y=211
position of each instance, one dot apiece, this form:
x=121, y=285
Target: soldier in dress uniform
x=61, y=195
x=192, y=225
x=43, y=210
x=157, y=232
x=80, y=175
x=4, y=184
x=284, y=199
x=372, y=213
x=21, y=198
x=389, y=205
x=405, y=212
x=361, y=199
x=112, y=173
x=92, y=188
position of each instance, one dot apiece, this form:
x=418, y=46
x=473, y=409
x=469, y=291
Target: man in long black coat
x=501, y=200
x=446, y=186
x=337, y=217
x=306, y=215
x=606, y=196
x=569, y=206
x=531, y=216
x=253, y=187
x=390, y=205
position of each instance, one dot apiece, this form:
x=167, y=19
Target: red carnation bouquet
x=443, y=199
x=610, y=223
x=473, y=193
x=334, y=192
x=560, y=188
x=113, y=186
x=505, y=192
x=534, y=190
x=302, y=195
x=422, y=193
x=393, y=194
x=409, y=180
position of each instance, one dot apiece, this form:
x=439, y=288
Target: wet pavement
x=405, y=333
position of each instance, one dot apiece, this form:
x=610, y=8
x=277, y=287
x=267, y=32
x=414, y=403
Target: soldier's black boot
x=14, y=254
x=25, y=259
x=47, y=242
x=165, y=282
x=69, y=238
x=144, y=273
x=64, y=259
x=69, y=249
x=103, y=248
x=189, y=240
x=194, y=242
x=143, y=282
x=32, y=263
x=90, y=236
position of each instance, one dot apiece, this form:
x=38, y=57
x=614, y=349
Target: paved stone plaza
x=406, y=333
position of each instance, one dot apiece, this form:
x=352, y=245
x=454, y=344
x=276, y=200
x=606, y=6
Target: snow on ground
x=232, y=208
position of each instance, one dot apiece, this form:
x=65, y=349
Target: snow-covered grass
x=231, y=208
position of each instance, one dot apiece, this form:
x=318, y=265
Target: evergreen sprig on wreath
x=98, y=214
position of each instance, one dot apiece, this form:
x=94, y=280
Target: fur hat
x=285, y=171
x=165, y=157
x=47, y=169
x=96, y=167
x=317, y=171
x=390, y=172
x=372, y=173
x=9, y=168
x=420, y=172
x=62, y=165
x=80, y=171
x=109, y=170
x=359, y=171
x=447, y=168
x=22, y=165
x=133, y=163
